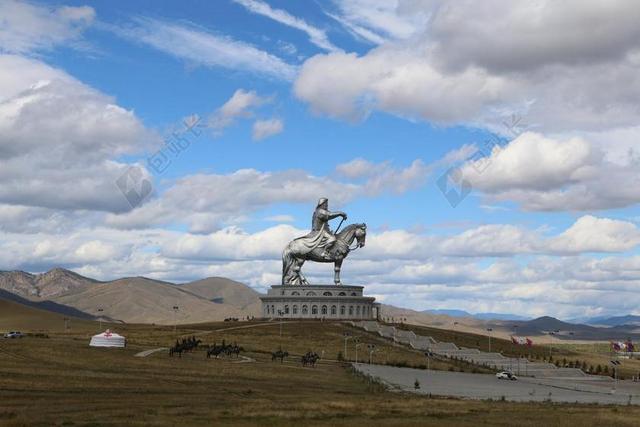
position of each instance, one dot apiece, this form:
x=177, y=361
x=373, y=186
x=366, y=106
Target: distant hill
x=142, y=300
x=131, y=300
x=544, y=325
x=16, y=316
x=452, y=312
x=226, y=291
x=480, y=316
x=44, y=305
x=609, y=321
x=43, y=286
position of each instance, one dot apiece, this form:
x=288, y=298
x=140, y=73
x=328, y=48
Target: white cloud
x=542, y=173
x=265, y=128
x=379, y=20
x=27, y=27
x=280, y=218
x=491, y=240
x=240, y=105
x=317, y=36
x=59, y=139
x=571, y=32
x=206, y=201
x=590, y=233
x=534, y=162
x=200, y=47
x=445, y=62
x=233, y=244
x=356, y=168
x=398, y=79
x=401, y=267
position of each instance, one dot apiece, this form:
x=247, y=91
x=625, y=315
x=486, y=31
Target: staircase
x=519, y=366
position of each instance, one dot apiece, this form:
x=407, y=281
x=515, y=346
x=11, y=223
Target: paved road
x=483, y=386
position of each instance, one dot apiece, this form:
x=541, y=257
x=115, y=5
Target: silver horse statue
x=321, y=245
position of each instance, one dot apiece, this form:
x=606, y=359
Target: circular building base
x=330, y=302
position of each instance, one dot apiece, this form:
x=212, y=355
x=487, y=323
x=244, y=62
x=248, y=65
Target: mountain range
x=149, y=301
x=480, y=316
x=629, y=319
x=130, y=300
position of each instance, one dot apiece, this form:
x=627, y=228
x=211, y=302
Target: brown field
x=61, y=381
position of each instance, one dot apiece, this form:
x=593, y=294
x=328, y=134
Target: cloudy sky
x=491, y=147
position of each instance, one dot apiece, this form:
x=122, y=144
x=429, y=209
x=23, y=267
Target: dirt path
x=149, y=352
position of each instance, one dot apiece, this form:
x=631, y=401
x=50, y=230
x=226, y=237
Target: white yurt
x=108, y=339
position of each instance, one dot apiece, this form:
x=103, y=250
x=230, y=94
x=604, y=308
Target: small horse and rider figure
x=279, y=354
x=224, y=350
x=310, y=359
x=321, y=245
x=186, y=345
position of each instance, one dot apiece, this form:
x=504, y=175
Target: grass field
x=61, y=381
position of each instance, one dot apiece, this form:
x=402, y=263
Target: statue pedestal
x=329, y=302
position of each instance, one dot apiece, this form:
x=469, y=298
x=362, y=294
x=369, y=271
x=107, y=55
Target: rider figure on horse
x=321, y=245
x=321, y=234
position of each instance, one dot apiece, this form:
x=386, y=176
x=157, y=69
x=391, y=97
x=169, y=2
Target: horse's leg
x=337, y=266
x=297, y=267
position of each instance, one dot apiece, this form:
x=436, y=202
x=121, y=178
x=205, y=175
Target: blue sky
x=368, y=103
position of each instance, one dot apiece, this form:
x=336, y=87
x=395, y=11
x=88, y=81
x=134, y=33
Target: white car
x=14, y=334
x=504, y=375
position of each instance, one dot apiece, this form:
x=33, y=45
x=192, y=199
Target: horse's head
x=357, y=232
x=361, y=234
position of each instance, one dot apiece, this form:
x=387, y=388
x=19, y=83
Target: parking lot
x=482, y=386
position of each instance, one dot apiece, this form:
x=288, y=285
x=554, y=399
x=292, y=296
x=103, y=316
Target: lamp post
x=428, y=354
x=372, y=348
x=100, y=310
x=551, y=334
x=280, y=315
x=489, y=330
x=347, y=337
x=615, y=364
x=454, y=331
x=515, y=332
x=175, y=312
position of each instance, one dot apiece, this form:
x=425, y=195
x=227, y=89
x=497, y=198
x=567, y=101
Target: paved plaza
x=601, y=390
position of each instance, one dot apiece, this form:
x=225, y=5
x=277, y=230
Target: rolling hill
x=226, y=291
x=43, y=286
x=130, y=300
x=480, y=316
x=571, y=331
x=17, y=316
x=629, y=319
x=142, y=300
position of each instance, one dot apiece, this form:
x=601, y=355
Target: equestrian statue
x=321, y=245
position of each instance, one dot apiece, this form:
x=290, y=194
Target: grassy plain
x=61, y=381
